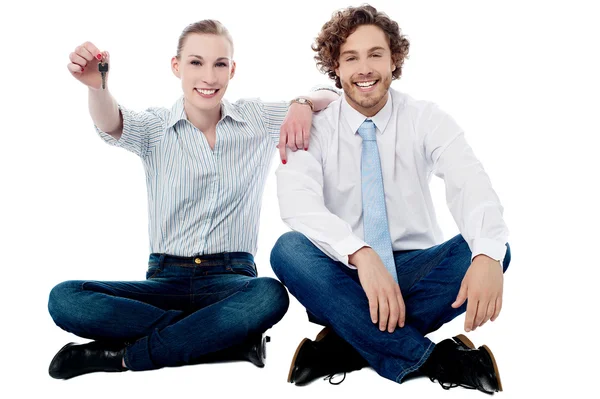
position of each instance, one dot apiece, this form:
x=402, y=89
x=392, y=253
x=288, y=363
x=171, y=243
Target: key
x=103, y=69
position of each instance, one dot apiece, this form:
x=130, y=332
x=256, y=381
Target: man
x=366, y=257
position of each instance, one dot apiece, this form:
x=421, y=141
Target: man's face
x=205, y=68
x=365, y=69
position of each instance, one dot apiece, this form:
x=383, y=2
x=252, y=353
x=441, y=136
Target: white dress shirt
x=320, y=195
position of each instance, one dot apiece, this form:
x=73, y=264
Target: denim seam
x=233, y=291
x=415, y=367
x=131, y=292
x=158, y=270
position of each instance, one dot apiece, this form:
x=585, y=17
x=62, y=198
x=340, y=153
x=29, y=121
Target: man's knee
x=462, y=247
x=286, y=251
x=506, y=258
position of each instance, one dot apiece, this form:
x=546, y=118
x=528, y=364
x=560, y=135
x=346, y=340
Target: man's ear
x=175, y=67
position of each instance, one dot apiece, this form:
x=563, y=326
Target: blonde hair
x=206, y=26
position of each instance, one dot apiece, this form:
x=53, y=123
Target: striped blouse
x=203, y=201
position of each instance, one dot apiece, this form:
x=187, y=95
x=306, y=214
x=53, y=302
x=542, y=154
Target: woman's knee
x=272, y=300
x=61, y=301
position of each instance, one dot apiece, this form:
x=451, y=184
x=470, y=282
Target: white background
x=520, y=77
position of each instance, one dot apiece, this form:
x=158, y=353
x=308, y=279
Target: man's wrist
x=356, y=258
x=486, y=258
x=303, y=101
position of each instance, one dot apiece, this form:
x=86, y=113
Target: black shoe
x=253, y=350
x=326, y=356
x=455, y=362
x=73, y=360
x=463, y=341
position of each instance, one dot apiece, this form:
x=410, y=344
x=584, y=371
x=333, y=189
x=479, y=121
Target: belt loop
x=161, y=261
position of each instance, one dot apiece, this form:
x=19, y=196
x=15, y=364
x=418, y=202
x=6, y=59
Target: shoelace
x=330, y=378
x=449, y=385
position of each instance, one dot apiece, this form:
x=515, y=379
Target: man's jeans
x=183, y=310
x=331, y=292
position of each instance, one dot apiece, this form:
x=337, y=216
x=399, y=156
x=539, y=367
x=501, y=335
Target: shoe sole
x=323, y=333
x=489, y=352
x=466, y=342
x=293, y=365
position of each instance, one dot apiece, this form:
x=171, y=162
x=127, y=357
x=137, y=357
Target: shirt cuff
x=107, y=138
x=492, y=248
x=348, y=246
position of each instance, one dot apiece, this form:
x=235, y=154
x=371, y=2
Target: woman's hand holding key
x=84, y=65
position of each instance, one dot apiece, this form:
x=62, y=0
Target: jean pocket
x=243, y=268
x=153, y=271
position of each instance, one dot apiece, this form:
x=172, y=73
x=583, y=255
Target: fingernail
x=306, y=149
x=467, y=329
x=82, y=69
x=284, y=162
x=99, y=56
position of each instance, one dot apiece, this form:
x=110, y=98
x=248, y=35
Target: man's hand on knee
x=482, y=286
x=386, y=304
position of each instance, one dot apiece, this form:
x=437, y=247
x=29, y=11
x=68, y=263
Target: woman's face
x=205, y=68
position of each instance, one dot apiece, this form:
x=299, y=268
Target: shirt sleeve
x=139, y=130
x=469, y=194
x=327, y=87
x=302, y=205
x=273, y=115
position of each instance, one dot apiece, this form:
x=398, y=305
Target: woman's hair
x=342, y=24
x=207, y=26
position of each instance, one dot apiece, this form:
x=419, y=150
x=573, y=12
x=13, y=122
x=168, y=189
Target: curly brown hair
x=342, y=24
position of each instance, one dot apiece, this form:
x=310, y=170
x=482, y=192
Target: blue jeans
x=183, y=310
x=332, y=295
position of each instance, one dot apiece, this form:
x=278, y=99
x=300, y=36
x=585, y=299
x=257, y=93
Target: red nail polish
x=99, y=56
x=306, y=149
x=82, y=69
x=284, y=161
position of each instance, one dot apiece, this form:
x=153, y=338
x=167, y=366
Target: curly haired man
x=366, y=255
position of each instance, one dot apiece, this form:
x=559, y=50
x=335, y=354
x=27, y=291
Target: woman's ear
x=175, y=67
x=232, y=73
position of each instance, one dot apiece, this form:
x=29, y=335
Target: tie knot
x=367, y=130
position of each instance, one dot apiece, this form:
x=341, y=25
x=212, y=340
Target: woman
x=206, y=161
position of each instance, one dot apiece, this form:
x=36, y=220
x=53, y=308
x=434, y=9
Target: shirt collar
x=227, y=110
x=230, y=110
x=177, y=113
x=355, y=118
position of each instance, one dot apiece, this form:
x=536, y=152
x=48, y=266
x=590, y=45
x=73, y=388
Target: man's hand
x=482, y=286
x=385, y=299
x=295, y=130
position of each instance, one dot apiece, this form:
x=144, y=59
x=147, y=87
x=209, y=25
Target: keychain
x=103, y=69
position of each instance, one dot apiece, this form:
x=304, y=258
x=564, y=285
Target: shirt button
x=198, y=261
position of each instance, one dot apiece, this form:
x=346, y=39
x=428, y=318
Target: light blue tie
x=375, y=223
